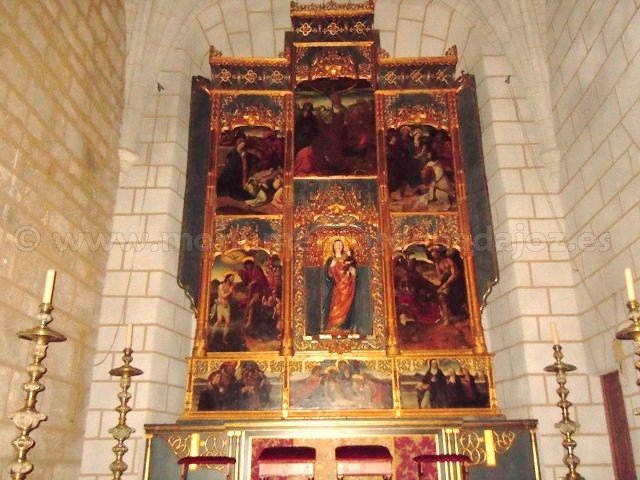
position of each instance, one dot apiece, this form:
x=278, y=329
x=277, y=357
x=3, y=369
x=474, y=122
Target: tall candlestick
x=129, y=336
x=48, y=286
x=554, y=333
x=566, y=426
x=28, y=418
x=121, y=432
x=631, y=293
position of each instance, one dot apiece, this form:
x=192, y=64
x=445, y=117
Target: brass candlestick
x=121, y=432
x=28, y=418
x=632, y=332
x=566, y=426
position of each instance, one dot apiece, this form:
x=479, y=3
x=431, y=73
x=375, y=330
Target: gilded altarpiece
x=337, y=250
x=337, y=193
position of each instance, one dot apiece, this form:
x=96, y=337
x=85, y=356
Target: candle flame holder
x=566, y=426
x=632, y=332
x=28, y=418
x=121, y=432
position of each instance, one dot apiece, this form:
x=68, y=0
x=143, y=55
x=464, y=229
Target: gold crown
x=333, y=65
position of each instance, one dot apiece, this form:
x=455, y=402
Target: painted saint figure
x=452, y=290
x=235, y=174
x=223, y=306
x=434, y=383
x=340, y=277
x=223, y=389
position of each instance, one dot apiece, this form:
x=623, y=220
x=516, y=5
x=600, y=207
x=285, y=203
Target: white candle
x=490, y=448
x=129, y=335
x=631, y=293
x=195, y=445
x=48, y=286
x=554, y=333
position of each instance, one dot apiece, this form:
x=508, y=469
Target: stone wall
x=593, y=62
x=61, y=104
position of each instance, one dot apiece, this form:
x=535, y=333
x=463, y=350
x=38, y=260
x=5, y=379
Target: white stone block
x=217, y=36
x=508, y=132
x=386, y=18
x=507, y=180
x=115, y=283
x=164, y=228
x=438, y=18
x=591, y=202
x=502, y=370
x=162, y=200
x=92, y=424
x=281, y=15
x=616, y=22
x=138, y=176
x=631, y=37
x=211, y=16
x=412, y=11
x=241, y=44
x=95, y=455
x=608, y=116
x=124, y=201
x=519, y=330
x=104, y=395
x=151, y=394
x=563, y=301
x=593, y=62
x=497, y=88
x=111, y=310
x=175, y=400
x=552, y=274
x=164, y=154
x=115, y=259
x=408, y=42
x=518, y=206
x=517, y=274
x=622, y=236
x=261, y=27
x=571, y=63
x=510, y=156
x=529, y=301
x=163, y=340
x=613, y=68
x=235, y=16
x=546, y=206
x=177, y=371
x=127, y=228
x=431, y=46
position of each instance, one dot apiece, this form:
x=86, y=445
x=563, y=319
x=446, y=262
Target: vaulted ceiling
x=170, y=35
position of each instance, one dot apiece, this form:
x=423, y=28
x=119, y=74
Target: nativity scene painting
x=430, y=296
x=246, y=302
x=340, y=385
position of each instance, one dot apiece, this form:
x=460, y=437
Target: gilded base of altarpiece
x=514, y=445
x=354, y=386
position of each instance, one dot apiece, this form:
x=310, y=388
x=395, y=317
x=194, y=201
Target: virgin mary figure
x=340, y=278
